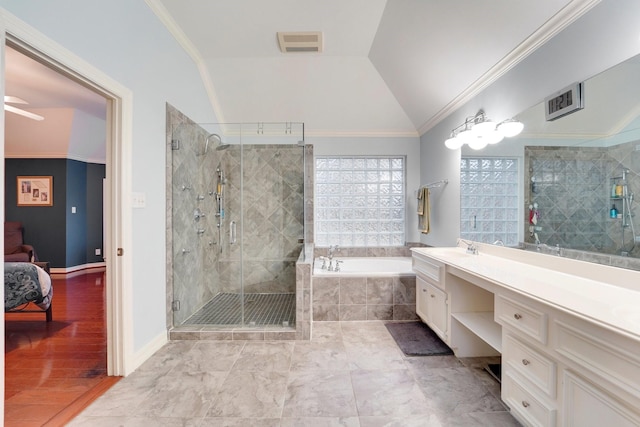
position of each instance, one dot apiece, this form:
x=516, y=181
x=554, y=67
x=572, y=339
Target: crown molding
x=561, y=20
x=170, y=24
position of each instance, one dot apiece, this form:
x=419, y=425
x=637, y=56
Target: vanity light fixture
x=479, y=131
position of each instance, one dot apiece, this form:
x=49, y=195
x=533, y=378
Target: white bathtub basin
x=367, y=266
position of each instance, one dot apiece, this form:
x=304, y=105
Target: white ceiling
x=74, y=125
x=389, y=67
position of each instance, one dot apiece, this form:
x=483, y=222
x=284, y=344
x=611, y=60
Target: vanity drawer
x=600, y=353
x=532, y=365
x=522, y=318
x=531, y=410
x=429, y=269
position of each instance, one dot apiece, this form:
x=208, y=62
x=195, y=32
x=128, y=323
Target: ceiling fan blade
x=22, y=112
x=14, y=100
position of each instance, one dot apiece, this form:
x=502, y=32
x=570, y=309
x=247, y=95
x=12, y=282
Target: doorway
x=117, y=215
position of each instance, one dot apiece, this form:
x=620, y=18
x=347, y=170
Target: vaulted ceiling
x=389, y=67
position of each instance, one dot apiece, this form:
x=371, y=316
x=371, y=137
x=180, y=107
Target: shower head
x=220, y=145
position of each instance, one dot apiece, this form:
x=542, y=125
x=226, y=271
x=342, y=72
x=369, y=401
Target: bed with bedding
x=25, y=285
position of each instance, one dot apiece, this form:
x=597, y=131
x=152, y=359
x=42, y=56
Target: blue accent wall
x=63, y=238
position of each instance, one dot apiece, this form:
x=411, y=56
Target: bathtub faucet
x=332, y=249
x=324, y=262
x=337, y=265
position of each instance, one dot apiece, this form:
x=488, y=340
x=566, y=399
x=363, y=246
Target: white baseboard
x=146, y=352
x=79, y=269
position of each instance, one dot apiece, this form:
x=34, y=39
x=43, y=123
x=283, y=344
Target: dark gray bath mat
x=417, y=339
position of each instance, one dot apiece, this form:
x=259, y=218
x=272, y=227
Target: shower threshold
x=259, y=310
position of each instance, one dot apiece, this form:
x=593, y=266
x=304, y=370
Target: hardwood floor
x=54, y=370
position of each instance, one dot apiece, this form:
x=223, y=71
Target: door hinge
x=120, y=251
x=175, y=305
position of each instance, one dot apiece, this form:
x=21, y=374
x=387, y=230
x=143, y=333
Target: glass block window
x=360, y=201
x=489, y=200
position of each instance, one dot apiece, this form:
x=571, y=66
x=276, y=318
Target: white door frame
x=118, y=232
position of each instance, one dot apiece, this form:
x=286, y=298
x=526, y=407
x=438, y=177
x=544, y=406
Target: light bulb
x=465, y=135
x=494, y=137
x=453, y=143
x=510, y=128
x=484, y=128
x=478, y=143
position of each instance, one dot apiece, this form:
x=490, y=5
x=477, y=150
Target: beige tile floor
x=350, y=374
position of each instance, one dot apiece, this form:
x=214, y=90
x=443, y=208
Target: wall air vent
x=300, y=41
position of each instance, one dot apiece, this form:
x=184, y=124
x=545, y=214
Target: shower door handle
x=232, y=233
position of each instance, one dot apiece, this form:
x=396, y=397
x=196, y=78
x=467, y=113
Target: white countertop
x=605, y=304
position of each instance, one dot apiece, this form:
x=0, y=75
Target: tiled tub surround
x=364, y=297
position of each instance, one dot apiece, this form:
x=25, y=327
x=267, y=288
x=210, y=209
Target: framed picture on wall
x=35, y=190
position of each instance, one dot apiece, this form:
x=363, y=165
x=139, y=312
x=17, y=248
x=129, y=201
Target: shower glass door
x=238, y=223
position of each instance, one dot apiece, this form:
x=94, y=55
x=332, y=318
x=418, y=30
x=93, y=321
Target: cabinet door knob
x=433, y=296
x=517, y=316
x=525, y=403
x=424, y=290
x=525, y=362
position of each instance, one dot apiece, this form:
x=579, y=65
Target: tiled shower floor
x=259, y=309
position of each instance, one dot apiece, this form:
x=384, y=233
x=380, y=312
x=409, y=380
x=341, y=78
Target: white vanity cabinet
x=529, y=374
x=569, y=339
x=431, y=297
x=559, y=370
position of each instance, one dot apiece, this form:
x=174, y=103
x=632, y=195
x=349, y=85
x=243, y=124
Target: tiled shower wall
x=273, y=225
x=192, y=267
x=573, y=191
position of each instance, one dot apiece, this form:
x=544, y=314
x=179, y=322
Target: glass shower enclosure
x=237, y=223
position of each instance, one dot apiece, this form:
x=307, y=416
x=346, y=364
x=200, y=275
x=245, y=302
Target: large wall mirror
x=582, y=171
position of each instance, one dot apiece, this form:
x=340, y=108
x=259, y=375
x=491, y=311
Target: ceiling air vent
x=301, y=41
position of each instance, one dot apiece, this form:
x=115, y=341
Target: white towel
x=424, y=210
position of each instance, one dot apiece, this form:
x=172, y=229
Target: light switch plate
x=139, y=200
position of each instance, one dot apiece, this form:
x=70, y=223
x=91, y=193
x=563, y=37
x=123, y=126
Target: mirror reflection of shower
x=627, y=216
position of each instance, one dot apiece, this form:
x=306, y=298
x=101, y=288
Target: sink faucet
x=498, y=243
x=557, y=249
x=471, y=247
